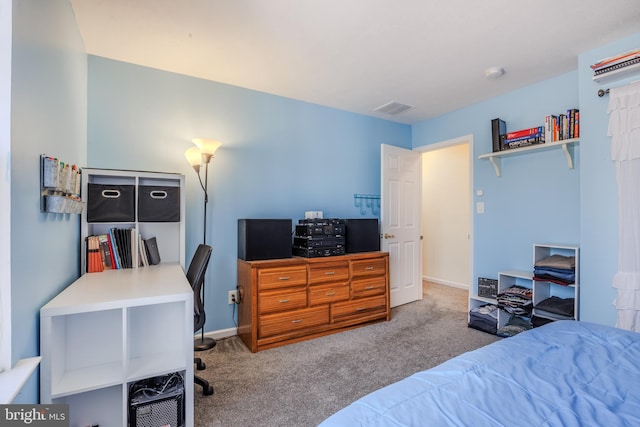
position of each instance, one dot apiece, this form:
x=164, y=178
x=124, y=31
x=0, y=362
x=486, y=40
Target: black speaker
x=362, y=235
x=157, y=401
x=264, y=239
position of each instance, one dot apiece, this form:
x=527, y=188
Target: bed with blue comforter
x=566, y=373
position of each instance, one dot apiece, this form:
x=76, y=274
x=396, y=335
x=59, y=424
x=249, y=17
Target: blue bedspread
x=566, y=373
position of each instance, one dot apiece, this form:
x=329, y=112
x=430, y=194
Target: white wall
x=446, y=215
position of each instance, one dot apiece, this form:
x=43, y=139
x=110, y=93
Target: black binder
x=498, y=133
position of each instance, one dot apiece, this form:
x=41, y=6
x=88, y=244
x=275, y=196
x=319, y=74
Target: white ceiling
x=356, y=55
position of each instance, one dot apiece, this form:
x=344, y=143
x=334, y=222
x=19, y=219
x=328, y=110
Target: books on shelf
x=120, y=248
x=526, y=133
x=562, y=126
x=614, y=60
x=95, y=257
x=523, y=142
x=555, y=128
x=617, y=63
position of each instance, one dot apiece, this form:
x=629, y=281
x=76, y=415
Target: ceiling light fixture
x=494, y=72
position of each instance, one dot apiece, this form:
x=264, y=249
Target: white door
x=400, y=222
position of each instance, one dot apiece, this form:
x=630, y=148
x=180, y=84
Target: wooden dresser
x=283, y=301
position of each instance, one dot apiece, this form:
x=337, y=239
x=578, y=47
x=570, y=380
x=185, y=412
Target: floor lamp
x=196, y=156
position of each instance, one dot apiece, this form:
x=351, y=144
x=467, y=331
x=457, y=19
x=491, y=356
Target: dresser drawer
x=276, y=278
x=331, y=272
x=282, y=300
x=324, y=294
x=358, y=308
x=369, y=267
x=368, y=287
x=281, y=323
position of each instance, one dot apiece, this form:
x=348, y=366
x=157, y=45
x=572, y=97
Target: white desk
x=109, y=329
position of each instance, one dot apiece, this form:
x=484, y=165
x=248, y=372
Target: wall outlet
x=233, y=297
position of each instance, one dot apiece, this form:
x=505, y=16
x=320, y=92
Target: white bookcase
x=112, y=328
x=541, y=289
x=170, y=235
x=109, y=329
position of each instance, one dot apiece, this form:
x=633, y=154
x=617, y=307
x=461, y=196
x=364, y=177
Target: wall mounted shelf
x=617, y=73
x=565, y=145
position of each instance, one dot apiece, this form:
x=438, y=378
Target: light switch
x=480, y=207
x=479, y=193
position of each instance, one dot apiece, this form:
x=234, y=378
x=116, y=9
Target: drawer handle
x=283, y=278
x=284, y=300
x=296, y=321
x=330, y=294
x=369, y=288
x=368, y=268
x=330, y=273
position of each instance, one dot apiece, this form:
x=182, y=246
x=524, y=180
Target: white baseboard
x=446, y=283
x=219, y=334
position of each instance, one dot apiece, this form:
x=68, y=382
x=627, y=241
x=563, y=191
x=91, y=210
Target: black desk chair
x=195, y=276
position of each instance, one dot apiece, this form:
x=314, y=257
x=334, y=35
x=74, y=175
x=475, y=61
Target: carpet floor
x=301, y=384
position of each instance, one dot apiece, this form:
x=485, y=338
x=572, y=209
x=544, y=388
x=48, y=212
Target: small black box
x=362, y=235
x=264, y=239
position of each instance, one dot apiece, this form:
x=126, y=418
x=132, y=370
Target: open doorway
x=447, y=216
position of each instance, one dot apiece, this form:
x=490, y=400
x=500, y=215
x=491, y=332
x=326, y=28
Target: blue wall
x=48, y=115
x=279, y=157
x=598, y=188
x=536, y=200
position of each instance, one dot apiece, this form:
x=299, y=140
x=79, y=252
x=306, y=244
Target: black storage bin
x=260, y=239
x=158, y=203
x=110, y=203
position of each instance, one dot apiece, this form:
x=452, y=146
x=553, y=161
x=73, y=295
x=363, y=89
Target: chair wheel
x=207, y=391
x=201, y=366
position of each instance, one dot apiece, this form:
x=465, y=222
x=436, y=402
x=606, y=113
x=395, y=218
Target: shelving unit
x=112, y=328
x=169, y=235
x=541, y=289
x=109, y=329
x=565, y=145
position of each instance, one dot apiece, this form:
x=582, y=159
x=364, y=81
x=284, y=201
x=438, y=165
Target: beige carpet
x=301, y=384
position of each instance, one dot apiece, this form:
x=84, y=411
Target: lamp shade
x=207, y=146
x=193, y=157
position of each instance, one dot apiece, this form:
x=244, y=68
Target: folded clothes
x=557, y=305
x=552, y=279
x=549, y=315
x=557, y=261
x=567, y=275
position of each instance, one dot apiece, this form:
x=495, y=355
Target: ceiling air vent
x=392, y=108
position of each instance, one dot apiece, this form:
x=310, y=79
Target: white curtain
x=624, y=128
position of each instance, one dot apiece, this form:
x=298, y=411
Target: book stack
x=616, y=63
x=116, y=249
x=562, y=126
x=524, y=138
x=95, y=257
